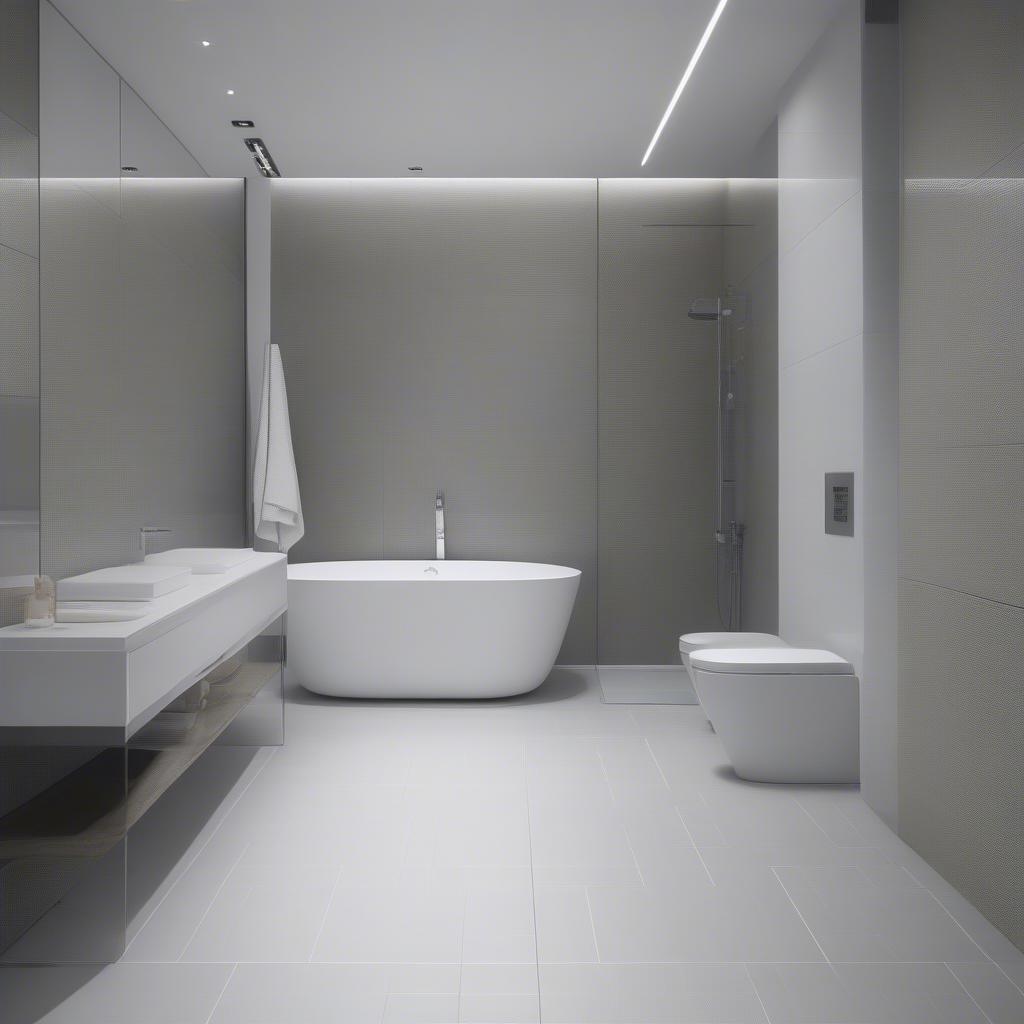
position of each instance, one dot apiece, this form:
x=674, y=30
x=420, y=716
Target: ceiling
x=463, y=88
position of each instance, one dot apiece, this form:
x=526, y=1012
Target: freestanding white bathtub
x=426, y=629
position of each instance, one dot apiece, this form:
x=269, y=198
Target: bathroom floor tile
x=404, y=922
x=649, y=994
x=118, y=994
x=991, y=988
x=552, y=859
x=310, y=993
x=263, y=916
x=869, y=920
x=565, y=931
x=859, y=993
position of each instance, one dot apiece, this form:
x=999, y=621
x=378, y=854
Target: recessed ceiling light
x=686, y=77
x=206, y=42
x=130, y=170
x=231, y=92
x=415, y=167
x=244, y=124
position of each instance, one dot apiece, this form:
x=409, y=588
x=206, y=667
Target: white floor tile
x=499, y=1008
x=499, y=926
x=862, y=921
x=648, y=994
x=990, y=987
x=416, y=1008
x=118, y=994
x=565, y=932
x=863, y=994
x=263, y=916
x=908, y=994
x=433, y=860
x=710, y=925
x=302, y=994
x=406, y=922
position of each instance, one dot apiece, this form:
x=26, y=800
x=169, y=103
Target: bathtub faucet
x=439, y=524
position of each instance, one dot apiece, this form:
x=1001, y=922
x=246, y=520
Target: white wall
x=838, y=367
x=257, y=313
x=821, y=341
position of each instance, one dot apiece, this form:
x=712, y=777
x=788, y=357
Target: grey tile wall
x=525, y=346
x=661, y=247
x=961, y=702
x=441, y=334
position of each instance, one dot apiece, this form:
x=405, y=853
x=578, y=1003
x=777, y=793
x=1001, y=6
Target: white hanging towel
x=275, y=486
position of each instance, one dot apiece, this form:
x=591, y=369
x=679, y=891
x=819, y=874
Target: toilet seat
x=777, y=661
x=690, y=642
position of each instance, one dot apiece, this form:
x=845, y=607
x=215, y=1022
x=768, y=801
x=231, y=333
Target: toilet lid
x=771, y=661
x=695, y=641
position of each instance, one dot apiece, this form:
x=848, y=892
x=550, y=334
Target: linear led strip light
x=686, y=77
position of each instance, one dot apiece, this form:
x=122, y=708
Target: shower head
x=704, y=309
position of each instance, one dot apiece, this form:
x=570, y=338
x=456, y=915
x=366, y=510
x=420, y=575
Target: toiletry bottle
x=41, y=604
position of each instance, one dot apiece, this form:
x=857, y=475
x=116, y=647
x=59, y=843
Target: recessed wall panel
x=441, y=334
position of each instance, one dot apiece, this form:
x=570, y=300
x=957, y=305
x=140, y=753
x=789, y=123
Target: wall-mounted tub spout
x=439, y=524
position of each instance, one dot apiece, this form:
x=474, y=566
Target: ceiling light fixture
x=231, y=92
x=244, y=124
x=415, y=168
x=261, y=155
x=686, y=77
x=206, y=42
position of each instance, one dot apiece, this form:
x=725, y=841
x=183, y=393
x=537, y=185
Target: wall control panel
x=839, y=504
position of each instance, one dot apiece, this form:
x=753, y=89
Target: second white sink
x=203, y=561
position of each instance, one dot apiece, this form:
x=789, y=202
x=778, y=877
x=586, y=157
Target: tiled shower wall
x=961, y=603
x=525, y=346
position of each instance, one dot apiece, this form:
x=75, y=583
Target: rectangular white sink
x=138, y=582
x=202, y=561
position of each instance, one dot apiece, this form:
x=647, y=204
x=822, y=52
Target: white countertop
x=166, y=612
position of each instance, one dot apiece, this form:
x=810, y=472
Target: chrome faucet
x=439, y=524
x=145, y=533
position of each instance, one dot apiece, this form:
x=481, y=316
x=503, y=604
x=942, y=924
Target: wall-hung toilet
x=783, y=714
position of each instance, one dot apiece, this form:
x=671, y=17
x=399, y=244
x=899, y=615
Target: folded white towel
x=275, y=489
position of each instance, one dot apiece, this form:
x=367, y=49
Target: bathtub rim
x=543, y=571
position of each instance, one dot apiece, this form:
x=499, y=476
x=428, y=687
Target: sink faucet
x=439, y=524
x=145, y=533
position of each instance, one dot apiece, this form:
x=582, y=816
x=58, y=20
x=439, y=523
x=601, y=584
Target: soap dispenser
x=41, y=604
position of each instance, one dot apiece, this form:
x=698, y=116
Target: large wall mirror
x=122, y=406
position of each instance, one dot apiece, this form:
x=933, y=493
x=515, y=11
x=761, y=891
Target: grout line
x=224, y=988
x=657, y=763
x=209, y=906
x=968, y=994
x=201, y=849
x=327, y=911
x=632, y=853
x=696, y=848
x=1002, y=971
x=952, y=917
x=533, y=887
x=815, y=822
x=801, y=916
x=753, y=985
x=593, y=928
